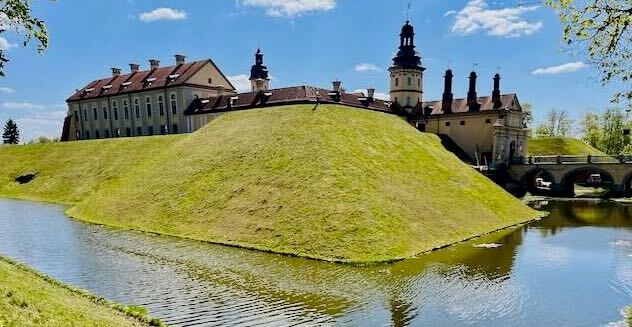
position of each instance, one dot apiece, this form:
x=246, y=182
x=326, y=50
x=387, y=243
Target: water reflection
x=565, y=269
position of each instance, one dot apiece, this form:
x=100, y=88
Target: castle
x=488, y=130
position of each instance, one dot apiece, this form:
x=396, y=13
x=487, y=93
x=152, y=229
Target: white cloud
x=6, y=45
x=376, y=95
x=290, y=8
x=6, y=90
x=449, y=13
x=241, y=82
x=367, y=68
x=506, y=22
x=560, y=69
x=21, y=106
x=162, y=14
x=45, y=123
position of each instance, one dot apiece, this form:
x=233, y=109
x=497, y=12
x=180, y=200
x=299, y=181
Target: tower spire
x=407, y=72
x=259, y=76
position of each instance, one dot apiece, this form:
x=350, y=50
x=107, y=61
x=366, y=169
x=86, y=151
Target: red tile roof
x=141, y=81
x=308, y=94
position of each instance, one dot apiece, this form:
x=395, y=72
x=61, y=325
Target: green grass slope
x=336, y=183
x=552, y=146
x=30, y=299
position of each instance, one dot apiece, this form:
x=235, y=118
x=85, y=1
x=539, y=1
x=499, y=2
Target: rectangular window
x=447, y=123
x=76, y=116
x=396, y=81
x=128, y=132
x=137, y=109
x=139, y=131
x=174, y=129
x=105, y=113
x=85, y=115
x=115, y=114
x=150, y=130
x=161, y=108
x=107, y=133
x=96, y=116
x=163, y=129
x=126, y=113
x=462, y=122
x=86, y=135
x=409, y=81
x=488, y=121
x=96, y=134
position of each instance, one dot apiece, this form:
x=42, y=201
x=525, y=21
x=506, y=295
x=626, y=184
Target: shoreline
x=125, y=311
x=66, y=207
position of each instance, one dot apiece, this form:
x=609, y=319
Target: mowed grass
x=335, y=183
x=30, y=299
x=554, y=146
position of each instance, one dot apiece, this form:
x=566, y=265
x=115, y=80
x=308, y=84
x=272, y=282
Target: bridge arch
x=529, y=179
x=580, y=175
x=627, y=185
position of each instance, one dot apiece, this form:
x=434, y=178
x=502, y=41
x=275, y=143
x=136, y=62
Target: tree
x=556, y=124
x=601, y=29
x=15, y=15
x=43, y=139
x=615, y=136
x=527, y=109
x=591, y=130
x=11, y=133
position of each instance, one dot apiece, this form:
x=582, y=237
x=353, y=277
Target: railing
x=572, y=160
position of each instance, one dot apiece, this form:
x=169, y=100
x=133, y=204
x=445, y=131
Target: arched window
x=115, y=110
x=174, y=105
x=409, y=81
x=148, y=106
x=161, y=106
x=137, y=108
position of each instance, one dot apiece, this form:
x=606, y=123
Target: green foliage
x=43, y=139
x=11, y=133
x=16, y=15
x=591, y=129
x=615, y=137
x=336, y=183
x=601, y=29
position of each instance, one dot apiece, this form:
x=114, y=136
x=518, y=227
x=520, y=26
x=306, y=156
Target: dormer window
x=107, y=87
x=150, y=80
x=126, y=84
x=267, y=93
x=88, y=90
x=233, y=99
x=205, y=101
x=174, y=76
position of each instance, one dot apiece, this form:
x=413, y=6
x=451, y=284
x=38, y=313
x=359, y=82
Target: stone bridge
x=564, y=172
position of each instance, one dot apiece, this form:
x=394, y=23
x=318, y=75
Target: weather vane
x=410, y=3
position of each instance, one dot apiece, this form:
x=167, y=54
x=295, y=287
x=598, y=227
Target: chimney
x=496, y=92
x=116, y=72
x=153, y=64
x=448, y=96
x=180, y=59
x=337, y=84
x=370, y=93
x=134, y=68
x=472, y=98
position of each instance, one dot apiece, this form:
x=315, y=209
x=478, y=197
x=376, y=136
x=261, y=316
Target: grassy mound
x=334, y=183
x=30, y=299
x=560, y=146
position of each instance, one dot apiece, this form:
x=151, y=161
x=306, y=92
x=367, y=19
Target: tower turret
x=259, y=77
x=407, y=72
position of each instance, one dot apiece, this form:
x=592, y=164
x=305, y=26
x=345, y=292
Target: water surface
x=573, y=268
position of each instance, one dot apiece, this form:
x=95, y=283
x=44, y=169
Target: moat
x=572, y=268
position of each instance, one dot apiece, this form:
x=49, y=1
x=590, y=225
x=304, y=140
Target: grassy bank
x=560, y=146
x=28, y=298
x=335, y=183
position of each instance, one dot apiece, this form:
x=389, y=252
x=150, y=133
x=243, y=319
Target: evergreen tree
x=11, y=133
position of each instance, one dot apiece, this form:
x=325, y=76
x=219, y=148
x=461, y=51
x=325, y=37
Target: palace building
x=487, y=130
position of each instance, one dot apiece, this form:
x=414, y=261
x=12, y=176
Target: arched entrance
x=538, y=181
x=587, y=182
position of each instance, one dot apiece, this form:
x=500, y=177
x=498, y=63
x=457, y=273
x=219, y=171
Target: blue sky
x=304, y=41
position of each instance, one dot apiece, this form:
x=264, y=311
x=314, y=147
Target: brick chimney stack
x=472, y=97
x=153, y=64
x=180, y=59
x=496, y=92
x=448, y=96
x=116, y=72
x=134, y=68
